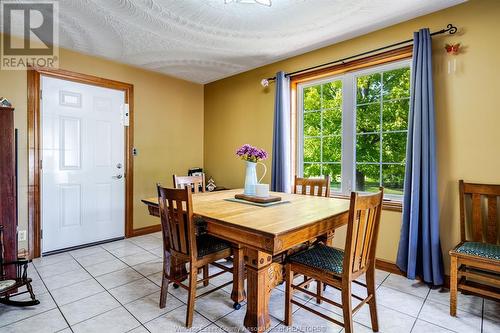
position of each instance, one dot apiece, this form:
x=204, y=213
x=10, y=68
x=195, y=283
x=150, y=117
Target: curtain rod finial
x=264, y=83
x=451, y=29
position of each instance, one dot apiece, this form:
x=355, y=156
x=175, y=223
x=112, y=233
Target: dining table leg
x=238, y=294
x=262, y=276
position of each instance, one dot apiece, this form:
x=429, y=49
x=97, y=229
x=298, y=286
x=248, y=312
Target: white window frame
x=348, y=129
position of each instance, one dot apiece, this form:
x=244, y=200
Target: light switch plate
x=21, y=235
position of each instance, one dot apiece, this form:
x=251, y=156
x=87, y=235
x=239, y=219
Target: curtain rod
x=450, y=28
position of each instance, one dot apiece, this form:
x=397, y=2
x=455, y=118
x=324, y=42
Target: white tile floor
x=114, y=287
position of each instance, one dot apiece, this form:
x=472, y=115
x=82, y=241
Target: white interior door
x=83, y=187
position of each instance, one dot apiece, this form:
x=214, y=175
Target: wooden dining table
x=259, y=234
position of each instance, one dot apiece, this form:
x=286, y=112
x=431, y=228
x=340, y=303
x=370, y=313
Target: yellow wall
x=168, y=115
x=238, y=110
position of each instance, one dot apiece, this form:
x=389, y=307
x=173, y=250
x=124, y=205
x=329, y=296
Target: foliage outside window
x=323, y=131
x=353, y=127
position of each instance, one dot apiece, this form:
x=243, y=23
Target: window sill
x=388, y=205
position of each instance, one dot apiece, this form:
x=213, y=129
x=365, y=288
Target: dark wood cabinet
x=8, y=210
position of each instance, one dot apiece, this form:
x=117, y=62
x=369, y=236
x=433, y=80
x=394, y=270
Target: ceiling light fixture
x=260, y=2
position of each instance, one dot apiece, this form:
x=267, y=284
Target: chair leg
x=164, y=282
x=205, y=275
x=30, y=291
x=453, y=285
x=319, y=291
x=370, y=286
x=347, y=307
x=288, y=295
x=192, y=295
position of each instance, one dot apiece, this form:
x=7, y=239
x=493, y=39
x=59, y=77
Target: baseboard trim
x=146, y=230
x=391, y=267
x=388, y=266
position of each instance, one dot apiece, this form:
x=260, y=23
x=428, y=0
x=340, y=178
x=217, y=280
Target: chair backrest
x=176, y=214
x=479, y=214
x=313, y=186
x=362, y=232
x=194, y=181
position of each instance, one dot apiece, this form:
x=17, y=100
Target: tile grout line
x=211, y=322
x=482, y=316
x=53, y=299
x=146, y=277
x=420, y=310
x=122, y=305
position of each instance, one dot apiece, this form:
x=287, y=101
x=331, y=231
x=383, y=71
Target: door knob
x=118, y=177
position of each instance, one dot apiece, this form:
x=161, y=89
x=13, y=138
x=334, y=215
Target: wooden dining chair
x=477, y=257
x=181, y=245
x=316, y=187
x=196, y=182
x=340, y=268
x=312, y=186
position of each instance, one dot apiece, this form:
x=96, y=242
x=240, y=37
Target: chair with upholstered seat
x=319, y=187
x=340, y=268
x=475, y=262
x=312, y=186
x=197, y=183
x=9, y=286
x=182, y=245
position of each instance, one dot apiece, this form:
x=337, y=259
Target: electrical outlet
x=21, y=236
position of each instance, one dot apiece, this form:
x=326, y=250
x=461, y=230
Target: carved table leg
x=238, y=294
x=262, y=276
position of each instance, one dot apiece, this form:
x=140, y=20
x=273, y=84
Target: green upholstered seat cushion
x=322, y=257
x=484, y=250
x=6, y=284
x=208, y=244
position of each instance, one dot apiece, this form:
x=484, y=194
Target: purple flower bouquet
x=251, y=154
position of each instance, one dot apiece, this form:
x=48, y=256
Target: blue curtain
x=280, y=173
x=419, y=252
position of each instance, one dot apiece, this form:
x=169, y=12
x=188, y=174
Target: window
x=353, y=127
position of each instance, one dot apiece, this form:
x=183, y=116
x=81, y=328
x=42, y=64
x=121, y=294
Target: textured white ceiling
x=206, y=40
